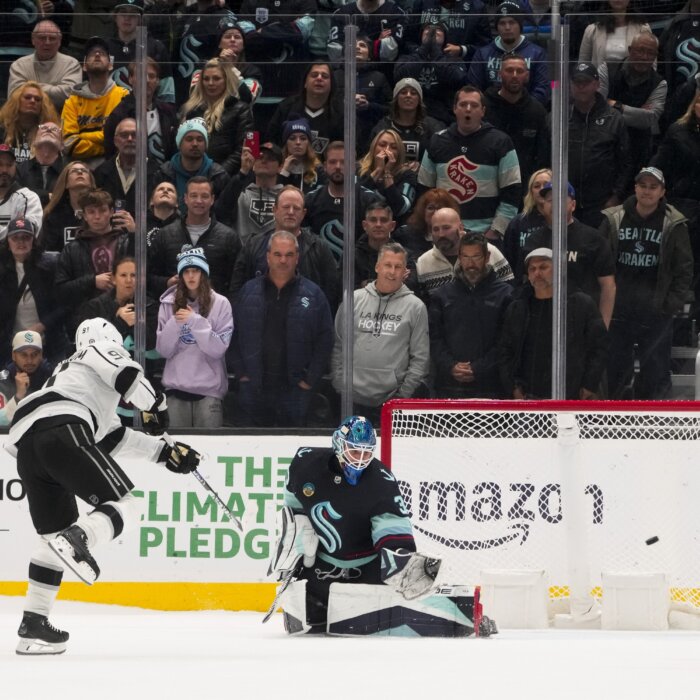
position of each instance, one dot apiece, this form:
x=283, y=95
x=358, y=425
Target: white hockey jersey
x=88, y=385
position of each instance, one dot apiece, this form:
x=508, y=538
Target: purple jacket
x=194, y=351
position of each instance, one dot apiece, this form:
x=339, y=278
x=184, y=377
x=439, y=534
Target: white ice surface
x=117, y=653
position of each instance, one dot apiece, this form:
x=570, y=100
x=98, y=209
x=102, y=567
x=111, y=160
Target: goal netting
x=571, y=488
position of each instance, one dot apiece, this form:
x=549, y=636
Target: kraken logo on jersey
x=321, y=514
x=464, y=186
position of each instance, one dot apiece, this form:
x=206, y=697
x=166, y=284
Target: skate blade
x=65, y=551
x=38, y=647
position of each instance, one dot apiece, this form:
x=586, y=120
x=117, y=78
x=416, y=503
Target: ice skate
x=71, y=545
x=38, y=636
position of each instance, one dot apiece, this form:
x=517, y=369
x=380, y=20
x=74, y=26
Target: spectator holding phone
x=195, y=325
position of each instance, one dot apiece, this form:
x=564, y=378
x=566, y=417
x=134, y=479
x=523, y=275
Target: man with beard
x=91, y=102
x=465, y=318
x=513, y=110
x=25, y=374
x=325, y=203
x=436, y=266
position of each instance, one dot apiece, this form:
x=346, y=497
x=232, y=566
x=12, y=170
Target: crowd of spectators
x=453, y=282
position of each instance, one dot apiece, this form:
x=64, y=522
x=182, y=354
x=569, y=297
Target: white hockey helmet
x=96, y=330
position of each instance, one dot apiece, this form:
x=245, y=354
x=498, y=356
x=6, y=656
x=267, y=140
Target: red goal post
x=572, y=488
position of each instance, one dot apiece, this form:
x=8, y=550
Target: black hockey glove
x=156, y=419
x=179, y=458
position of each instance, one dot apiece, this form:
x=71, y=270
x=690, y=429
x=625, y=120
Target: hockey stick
x=284, y=584
x=235, y=520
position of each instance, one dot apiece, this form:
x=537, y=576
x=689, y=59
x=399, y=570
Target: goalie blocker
x=356, y=610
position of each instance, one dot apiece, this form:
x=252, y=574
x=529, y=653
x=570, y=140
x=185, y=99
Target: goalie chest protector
x=352, y=522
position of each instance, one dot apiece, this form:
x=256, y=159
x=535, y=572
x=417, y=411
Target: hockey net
x=571, y=488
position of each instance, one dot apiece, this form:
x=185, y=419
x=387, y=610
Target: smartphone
x=252, y=141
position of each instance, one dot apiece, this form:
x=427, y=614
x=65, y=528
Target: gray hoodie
x=391, y=348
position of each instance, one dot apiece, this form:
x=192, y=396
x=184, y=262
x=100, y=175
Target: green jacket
x=675, y=272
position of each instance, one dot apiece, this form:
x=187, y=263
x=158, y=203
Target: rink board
x=185, y=555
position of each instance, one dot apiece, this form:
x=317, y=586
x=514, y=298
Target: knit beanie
x=296, y=126
x=188, y=125
x=408, y=82
x=510, y=8
x=193, y=257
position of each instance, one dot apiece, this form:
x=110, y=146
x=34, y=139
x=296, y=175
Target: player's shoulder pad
x=104, y=355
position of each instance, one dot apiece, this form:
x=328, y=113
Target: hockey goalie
x=346, y=556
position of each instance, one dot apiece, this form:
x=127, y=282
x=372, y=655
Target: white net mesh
x=506, y=488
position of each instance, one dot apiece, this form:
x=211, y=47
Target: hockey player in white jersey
x=65, y=437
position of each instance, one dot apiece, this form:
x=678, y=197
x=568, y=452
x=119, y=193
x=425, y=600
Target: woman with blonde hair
x=385, y=170
x=61, y=214
x=301, y=165
x=26, y=108
x=527, y=222
x=216, y=100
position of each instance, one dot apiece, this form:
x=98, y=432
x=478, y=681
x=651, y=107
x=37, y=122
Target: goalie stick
x=284, y=584
x=229, y=513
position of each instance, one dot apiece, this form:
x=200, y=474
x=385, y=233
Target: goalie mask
x=354, y=442
x=96, y=330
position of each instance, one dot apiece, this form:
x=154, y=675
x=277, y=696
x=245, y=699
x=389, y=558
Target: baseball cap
x=547, y=187
x=26, y=339
x=123, y=4
x=654, y=172
x=584, y=70
x=21, y=225
x=4, y=148
x=274, y=150
x=539, y=253
x=95, y=42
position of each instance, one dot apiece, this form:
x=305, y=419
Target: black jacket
x=526, y=124
x=316, y=263
x=226, y=143
x=600, y=163
x=160, y=150
x=39, y=273
x=221, y=248
x=75, y=273
x=30, y=175
x=464, y=324
x=59, y=226
x=107, y=177
x=586, y=345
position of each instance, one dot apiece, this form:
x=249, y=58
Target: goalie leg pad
x=293, y=604
x=362, y=609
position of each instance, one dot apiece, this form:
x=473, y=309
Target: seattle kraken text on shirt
x=639, y=257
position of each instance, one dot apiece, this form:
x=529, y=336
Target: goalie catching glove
x=179, y=458
x=409, y=573
x=296, y=538
x=156, y=420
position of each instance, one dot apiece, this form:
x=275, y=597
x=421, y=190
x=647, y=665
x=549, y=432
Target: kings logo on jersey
x=464, y=187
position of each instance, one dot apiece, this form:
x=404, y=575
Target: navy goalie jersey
x=352, y=522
